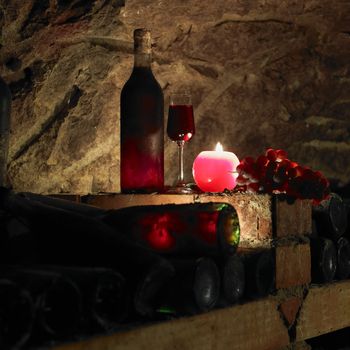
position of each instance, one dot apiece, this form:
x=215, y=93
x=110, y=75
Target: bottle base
x=180, y=188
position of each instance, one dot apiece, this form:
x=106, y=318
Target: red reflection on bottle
x=206, y=227
x=140, y=158
x=198, y=229
x=156, y=230
x=160, y=230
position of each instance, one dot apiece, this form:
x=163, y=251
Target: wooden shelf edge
x=251, y=326
x=325, y=309
x=254, y=325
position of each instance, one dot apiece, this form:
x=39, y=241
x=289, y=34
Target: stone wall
x=263, y=73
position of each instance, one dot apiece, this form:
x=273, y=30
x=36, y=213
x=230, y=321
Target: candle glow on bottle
x=215, y=171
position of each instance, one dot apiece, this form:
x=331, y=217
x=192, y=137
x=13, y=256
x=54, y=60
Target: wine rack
x=297, y=311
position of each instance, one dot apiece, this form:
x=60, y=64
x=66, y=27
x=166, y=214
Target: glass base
x=180, y=188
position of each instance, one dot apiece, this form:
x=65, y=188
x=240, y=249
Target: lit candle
x=214, y=171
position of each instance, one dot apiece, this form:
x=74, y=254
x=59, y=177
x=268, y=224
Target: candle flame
x=219, y=147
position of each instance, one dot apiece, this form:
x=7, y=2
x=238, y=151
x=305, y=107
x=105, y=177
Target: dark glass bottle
x=343, y=258
x=56, y=236
x=59, y=203
x=187, y=230
x=102, y=292
x=5, y=106
x=57, y=298
x=323, y=260
x=233, y=282
x=17, y=313
x=142, y=124
x=330, y=217
x=195, y=288
x=259, y=271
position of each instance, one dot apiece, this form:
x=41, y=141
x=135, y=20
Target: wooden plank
x=254, y=211
x=324, y=310
x=298, y=346
x=256, y=325
x=292, y=219
x=293, y=265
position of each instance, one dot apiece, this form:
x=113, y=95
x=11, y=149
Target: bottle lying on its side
x=195, y=288
x=187, y=230
x=323, y=260
x=57, y=236
x=260, y=271
x=58, y=300
x=330, y=217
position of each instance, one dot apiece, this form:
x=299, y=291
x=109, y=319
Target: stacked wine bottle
x=330, y=246
x=77, y=269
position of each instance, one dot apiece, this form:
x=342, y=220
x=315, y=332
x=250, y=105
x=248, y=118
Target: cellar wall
x=262, y=74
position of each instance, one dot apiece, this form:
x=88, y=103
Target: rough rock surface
x=263, y=73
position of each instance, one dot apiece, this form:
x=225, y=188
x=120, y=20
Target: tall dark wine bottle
x=5, y=106
x=188, y=230
x=17, y=312
x=195, y=288
x=323, y=260
x=330, y=217
x=142, y=124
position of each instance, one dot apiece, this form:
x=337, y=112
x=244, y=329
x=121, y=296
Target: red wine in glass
x=180, y=123
x=180, y=129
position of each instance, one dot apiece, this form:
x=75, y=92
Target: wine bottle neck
x=142, y=60
x=142, y=48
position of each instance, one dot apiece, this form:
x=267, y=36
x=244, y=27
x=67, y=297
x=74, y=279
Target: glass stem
x=180, y=179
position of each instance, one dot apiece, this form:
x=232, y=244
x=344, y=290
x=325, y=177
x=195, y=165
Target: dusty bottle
x=5, y=106
x=323, y=260
x=195, y=288
x=142, y=124
x=54, y=236
x=330, y=217
x=187, y=230
x=233, y=281
x=259, y=271
x=59, y=203
x=102, y=292
x=57, y=298
x=17, y=311
x=343, y=258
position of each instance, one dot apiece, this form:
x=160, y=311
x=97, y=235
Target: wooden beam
x=293, y=265
x=256, y=325
x=325, y=309
x=292, y=219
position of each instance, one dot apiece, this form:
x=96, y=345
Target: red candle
x=215, y=171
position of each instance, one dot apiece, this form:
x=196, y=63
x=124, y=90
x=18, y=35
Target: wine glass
x=180, y=129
